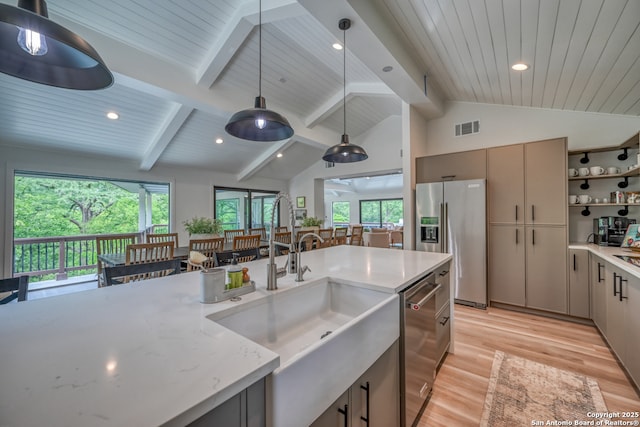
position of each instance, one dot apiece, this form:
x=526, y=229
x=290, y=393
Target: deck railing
x=61, y=256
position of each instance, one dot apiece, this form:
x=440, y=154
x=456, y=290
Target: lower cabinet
x=507, y=264
x=598, y=294
x=579, y=283
x=245, y=409
x=373, y=399
x=633, y=327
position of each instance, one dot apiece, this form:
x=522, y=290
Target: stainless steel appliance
x=418, y=347
x=610, y=230
x=451, y=217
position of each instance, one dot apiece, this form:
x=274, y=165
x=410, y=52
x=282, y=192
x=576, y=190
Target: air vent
x=467, y=128
x=329, y=164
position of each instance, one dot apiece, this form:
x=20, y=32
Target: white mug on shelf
x=612, y=170
x=573, y=172
x=573, y=199
x=584, y=199
x=583, y=171
x=596, y=170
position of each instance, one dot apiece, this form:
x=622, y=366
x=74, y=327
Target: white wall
x=382, y=143
x=502, y=125
x=191, y=190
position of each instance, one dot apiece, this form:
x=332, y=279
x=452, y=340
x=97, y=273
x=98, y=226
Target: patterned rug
x=524, y=393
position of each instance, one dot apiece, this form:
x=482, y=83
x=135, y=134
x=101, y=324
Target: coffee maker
x=610, y=230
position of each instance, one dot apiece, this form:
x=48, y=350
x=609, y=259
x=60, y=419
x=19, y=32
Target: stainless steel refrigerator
x=451, y=217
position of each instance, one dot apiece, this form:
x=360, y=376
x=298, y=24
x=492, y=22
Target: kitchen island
x=146, y=354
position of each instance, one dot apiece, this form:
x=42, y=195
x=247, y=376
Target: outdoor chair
x=327, y=236
x=18, y=286
x=246, y=242
x=244, y=255
x=340, y=236
x=230, y=234
x=356, y=235
x=112, y=244
x=135, y=272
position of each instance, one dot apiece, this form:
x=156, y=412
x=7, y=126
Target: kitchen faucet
x=273, y=272
x=300, y=270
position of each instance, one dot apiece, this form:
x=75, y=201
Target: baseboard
x=542, y=313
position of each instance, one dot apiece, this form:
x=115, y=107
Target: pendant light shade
x=258, y=123
x=345, y=152
x=36, y=49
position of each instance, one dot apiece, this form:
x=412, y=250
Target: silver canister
x=212, y=285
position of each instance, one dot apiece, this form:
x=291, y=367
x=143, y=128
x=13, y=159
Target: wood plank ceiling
x=182, y=69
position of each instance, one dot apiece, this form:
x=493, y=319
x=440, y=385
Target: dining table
x=181, y=252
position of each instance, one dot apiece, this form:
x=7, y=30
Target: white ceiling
x=183, y=68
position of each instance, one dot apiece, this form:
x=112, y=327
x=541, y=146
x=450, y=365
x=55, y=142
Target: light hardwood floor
x=460, y=388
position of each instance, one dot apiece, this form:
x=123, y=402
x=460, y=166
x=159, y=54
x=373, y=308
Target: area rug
x=524, y=393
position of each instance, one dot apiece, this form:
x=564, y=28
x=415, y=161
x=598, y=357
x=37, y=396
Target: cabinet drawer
x=443, y=332
x=442, y=296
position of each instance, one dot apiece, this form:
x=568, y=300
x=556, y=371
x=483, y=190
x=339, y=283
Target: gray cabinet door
x=632, y=325
x=245, y=409
x=505, y=184
x=336, y=415
x=547, y=268
x=598, y=294
x=546, y=182
x=616, y=327
x=507, y=264
x=579, y=283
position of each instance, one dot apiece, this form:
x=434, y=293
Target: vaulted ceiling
x=182, y=68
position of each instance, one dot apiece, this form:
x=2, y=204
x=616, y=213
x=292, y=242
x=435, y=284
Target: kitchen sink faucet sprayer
x=273, y=272
x=300, y=269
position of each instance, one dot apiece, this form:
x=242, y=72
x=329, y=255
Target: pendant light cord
x=344, y=80
x=260, y=49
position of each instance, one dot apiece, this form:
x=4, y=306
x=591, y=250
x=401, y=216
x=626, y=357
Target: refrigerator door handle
x=445, y=228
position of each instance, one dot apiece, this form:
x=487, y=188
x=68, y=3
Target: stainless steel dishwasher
x=418, y=347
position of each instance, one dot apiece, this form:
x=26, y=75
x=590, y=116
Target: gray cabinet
x=373, y=399
x=459, y=166
x=527, y=225
x=579, y=283
x=633, y=327
x=245, y=409
x=598, y=294
x=616, y=281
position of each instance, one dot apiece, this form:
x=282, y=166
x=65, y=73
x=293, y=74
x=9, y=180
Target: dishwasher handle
x=418, y=305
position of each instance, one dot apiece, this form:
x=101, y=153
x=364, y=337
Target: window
x=340, y=213
x=243, y=208
x=381, y=213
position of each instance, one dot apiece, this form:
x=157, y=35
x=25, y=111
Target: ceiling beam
x=335, y=101
x=262, y=160
x=172, y=124
x=236, y=31
x=377, y=45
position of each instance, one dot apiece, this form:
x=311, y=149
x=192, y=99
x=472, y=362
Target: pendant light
x=258, y=123
x=345, y=152
x=36, y=49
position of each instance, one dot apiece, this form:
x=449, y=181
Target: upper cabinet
x=505, y=184
x=455, y=166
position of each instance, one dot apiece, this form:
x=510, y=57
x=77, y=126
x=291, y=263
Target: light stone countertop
x=145, y=354
x=608, y=254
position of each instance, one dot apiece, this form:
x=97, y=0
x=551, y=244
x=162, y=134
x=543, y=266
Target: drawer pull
x=445, y=320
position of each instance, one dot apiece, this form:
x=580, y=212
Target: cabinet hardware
x=345, y=412
x=517, y=233
x=366, y=389
x=533, y=213
x=622, y=280
x=516, y=213
x=599, y=275
x=445, y=320
x=533, y=237
x=444, y=273
x=574, y=262
x=615, y=281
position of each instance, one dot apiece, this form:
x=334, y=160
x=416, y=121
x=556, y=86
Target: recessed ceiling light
x=113, y=115
x=519, y=66
x=219, y=141
x=279, y=155
x=337, y=46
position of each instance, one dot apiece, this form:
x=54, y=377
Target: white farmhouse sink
x=316, y=367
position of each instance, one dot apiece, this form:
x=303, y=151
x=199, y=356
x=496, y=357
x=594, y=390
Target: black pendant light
x=258, y=123
x=345, y=152
x=36, y=49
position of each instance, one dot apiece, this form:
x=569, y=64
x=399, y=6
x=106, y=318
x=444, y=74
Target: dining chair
x=112, y=244
x=356, y=235
x=205, y=247
x=262, y=231
x=396, y=239
x=165, y=237
x=308, y=243
x=340, y=236
x=141, y=253
x=282, y=237
x=246, y=242
x=282, y=229
x=133, y=272
x=327, y=236
x=18, y=286
x=230, y=234
x=376, y=240
x=378, y=230
x=243, y=255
